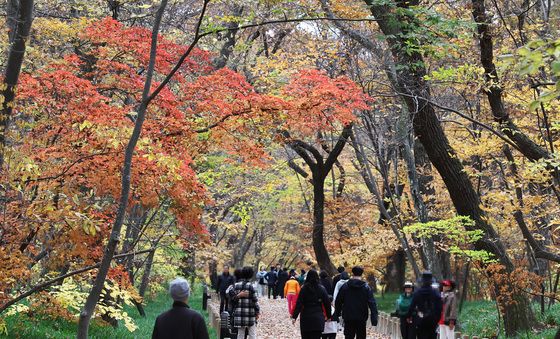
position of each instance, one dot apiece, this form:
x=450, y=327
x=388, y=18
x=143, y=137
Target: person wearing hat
x=180, y=322
x=408, y=331
x=425, y=309
x=449, y=316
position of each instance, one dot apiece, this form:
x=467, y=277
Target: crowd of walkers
x=324, y=304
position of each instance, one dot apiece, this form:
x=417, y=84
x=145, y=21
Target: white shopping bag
x=331, y=327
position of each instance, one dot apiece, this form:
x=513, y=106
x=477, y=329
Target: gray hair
x=179, y=289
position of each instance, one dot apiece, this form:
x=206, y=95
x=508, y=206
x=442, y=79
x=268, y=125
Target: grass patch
x=480, y=318
x=37, y=326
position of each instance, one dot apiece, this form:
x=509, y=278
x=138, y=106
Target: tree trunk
x=20, y=27
x=321, y=253
x=395, y=271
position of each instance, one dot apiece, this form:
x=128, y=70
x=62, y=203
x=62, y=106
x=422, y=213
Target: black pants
x=426, y=331
x=311, y=335
x=408, y=330
x=272, y=290
x=329, y=336
x=354, y=329
x=223, y=302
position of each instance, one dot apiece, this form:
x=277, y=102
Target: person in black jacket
x=314, y=306
x=352, y=302
x=271, y=279
x=225, y=280
x=337, y=277
x=426, y=306
x=180, y=322
x=283, y=277
x=326, y=281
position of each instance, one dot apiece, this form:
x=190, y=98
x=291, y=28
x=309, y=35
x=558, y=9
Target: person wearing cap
x=408, y=331
x=352, y=302
x=449, y=316
x=425, y=308
x=180, y=322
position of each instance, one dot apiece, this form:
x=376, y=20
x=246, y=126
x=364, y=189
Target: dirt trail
x=274, y=322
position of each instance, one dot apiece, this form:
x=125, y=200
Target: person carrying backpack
x=352, y=302
x=425, y=308
x=261, y=277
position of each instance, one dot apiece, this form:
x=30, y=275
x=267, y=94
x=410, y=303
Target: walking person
x=301, y=277
x=271, y=279
x=337, y=277
x=246, y=311
x=449, y=316
x=314, y=307
x=408, y=331
x=282, y=279
x=326, y=281
x=352, y=302
x=425, y=308
x=291, y=291
x=344, y=277
x=224, y=281
x=180, y=322
x=261, y=278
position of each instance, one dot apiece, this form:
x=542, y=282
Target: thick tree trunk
x=321, y=253
x=395, y=271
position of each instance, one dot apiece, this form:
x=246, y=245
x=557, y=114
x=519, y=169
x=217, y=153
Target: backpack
x=426, y=311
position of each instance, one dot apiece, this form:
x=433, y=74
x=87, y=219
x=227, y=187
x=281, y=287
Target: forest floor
x=275, y=323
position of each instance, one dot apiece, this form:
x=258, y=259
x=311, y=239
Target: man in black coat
x=352, y=302
x=426, y=306
x=180, y=322
x=225, y=280
x=283, y=277
x=271, y=280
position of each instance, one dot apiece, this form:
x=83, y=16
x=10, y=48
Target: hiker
x=449, y=316
x=261, y=277
x=282, y=279
x=408, y=331
x=246, y=311
x=224, y=281
x=326, y=281
x=291, y=291
x=337, y=277
x=180, y=322
x=271, y=279
x=352, y=302
x=425, y=308
x=344, y=277
x=314, y=306
x=230, y=293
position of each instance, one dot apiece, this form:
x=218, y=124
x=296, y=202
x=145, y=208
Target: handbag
x=331, y=327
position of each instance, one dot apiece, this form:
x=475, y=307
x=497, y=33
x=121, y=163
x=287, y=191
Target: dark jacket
x=271, y=278
x=311, y=302
x=427, y=306
x=282, y=279
x=327, y=284
x=224, y=281
x=353, y=301
x=180, y=322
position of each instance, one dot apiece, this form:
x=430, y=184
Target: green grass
x=480, y=318
x=36, y=326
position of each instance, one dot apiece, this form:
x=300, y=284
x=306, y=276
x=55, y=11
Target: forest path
x=275, y=323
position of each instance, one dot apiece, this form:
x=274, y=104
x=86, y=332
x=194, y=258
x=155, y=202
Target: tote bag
x=331, y=327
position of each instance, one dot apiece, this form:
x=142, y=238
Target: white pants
x=446, y=333
x=252, y=332
x=262, y=290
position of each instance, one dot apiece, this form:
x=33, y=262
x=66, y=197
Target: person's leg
x=269, y=291
x=241, y=332
x=252, y=332
x=411, y=331
x=361, y=330
x=222, y=302
x=349, y=329
x=404, y=328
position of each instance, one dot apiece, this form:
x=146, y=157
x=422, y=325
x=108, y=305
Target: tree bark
x=20, y=27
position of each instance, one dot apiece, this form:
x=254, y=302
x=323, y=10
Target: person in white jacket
x=261, y=282
x=343, y=279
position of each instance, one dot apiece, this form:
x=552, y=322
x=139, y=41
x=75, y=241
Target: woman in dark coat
x=314, y=305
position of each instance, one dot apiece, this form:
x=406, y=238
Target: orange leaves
x=318, y=102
